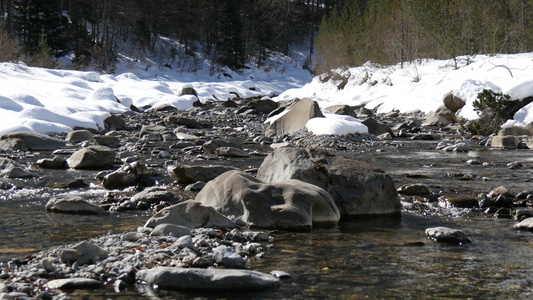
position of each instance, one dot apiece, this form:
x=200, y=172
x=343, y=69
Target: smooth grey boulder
x=92, y=158
x=73, y=284
x=108, y=141
x=186, y=174
x=52, y=163
x=191, y=214
x=11, y=169
x=30, y=141
x=115, y=122
x=453, y=102
x=357, y=187
x=227, y=257
x=447, y=235
x=526, y=224
x=82, y=253
x=504, y=141
x=73, y=204
x=119, y=180
x=288, y=204
x=79, y=136
x=153, y=195
x=170, y=278
x=342, y=109
x=171, y=229
x=295, y=119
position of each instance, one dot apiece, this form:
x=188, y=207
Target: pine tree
x=231, y=47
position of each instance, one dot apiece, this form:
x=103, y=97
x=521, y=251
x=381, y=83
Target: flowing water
x=359, y=258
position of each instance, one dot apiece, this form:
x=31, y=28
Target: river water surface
x=374, y=257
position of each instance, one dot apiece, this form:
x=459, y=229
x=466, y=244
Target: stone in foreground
x=288, y=204
x=92, y=158
x=169, y=278
x=30, y=141
x=526, y=224
x=74, y=283
x=447, y=235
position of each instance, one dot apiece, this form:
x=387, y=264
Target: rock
x=447, y=235
x=413, y=189
x=452, y=102
x=376, y=128
x=108, y=141
x=191, y=214
x=182, y=136
x=207, y=279
x=227, y=257
x=152, y=129
x=92, y=158
x=186, y=174
x=342, y=109
x=505, y=141
x=287, y=204
x=358, y=188
x=211, y=146
x=74, y=283
x=11, y=169
x=189, y=123
x=231, y=152
x=188, y=90
x=79, y=136
x=184, y=242
x=115, y=122
x=153, y=195
x=119, y=180
x=462, y=201
x=171, y=229
x=296, y=119
x=526, y=224
x=73, y=204
x=30, y=141
x=280, y=274
x=263, y=106
x=74, y=184
x=54, y=163
x=516, y=131
x=83, y=253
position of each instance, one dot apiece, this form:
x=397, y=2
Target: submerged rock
x=207, y=279
x=447, y=235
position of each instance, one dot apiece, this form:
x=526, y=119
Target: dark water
x=364, y=258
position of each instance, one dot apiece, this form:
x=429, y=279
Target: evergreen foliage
x=494, y=109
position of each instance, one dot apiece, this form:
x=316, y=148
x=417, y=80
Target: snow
x=57, y=101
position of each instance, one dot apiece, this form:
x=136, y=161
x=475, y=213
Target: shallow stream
x=374, y=258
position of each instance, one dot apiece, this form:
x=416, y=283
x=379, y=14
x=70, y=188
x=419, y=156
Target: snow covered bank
x=421, y=85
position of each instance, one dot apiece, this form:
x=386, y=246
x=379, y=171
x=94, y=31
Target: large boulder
x=377, y=128
x=453, y=102
x=288, y=204
x=342, y=109
x=505, y=141
x=191, y=214
x=73, y=204
x=92, y=158
x=358, y=188
x=79, y=136
x=170, y=278
x=295, y=119
x=30, y=141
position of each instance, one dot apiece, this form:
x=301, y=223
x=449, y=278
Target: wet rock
x=287, y=204
x=231, y=152
x=153, y=195
x=119, y=180
x=447, y=235
x=296, y=119
x=171, y=229
x=92, y=158
x=191, y=214
x=449, y=147
x=358, y=188
x=413, y=189
x=74, y=283
x=30, y=141
x=526, y=224
x=227, y=257
x=462, y=201
x=280, y=274
x=506, y=141
x=52, y=163
x=207, y=279
x=452, y=102
x=73, y=204
x=522, y=214
x=79, y=136
x=186, y=174
x=74, y=184
x=11, y=169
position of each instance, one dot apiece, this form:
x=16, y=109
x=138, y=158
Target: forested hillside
x=235, y=33
x=393, y=31
x=229, y=32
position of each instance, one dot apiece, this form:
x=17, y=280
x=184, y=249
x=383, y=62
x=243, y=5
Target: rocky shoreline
x=158, y=160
